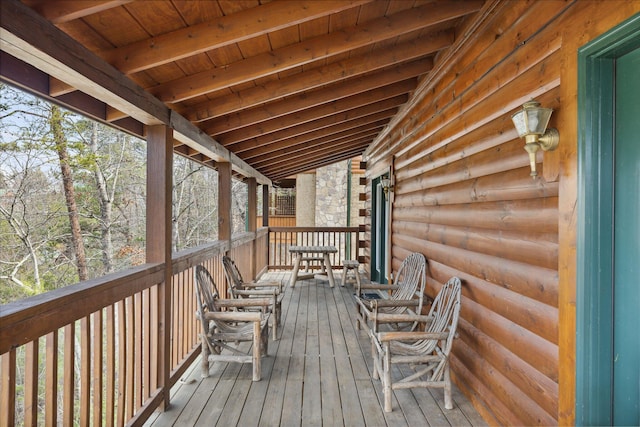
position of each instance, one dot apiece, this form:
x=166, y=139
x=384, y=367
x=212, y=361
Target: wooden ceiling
x=287, y=86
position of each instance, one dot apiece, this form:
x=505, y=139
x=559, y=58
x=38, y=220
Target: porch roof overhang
x=274, y=87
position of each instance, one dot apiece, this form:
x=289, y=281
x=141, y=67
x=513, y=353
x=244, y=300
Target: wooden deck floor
x=317, y=374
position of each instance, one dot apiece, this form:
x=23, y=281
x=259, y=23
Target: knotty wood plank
x=320, y=365
x=352, y=412
x=276, y=391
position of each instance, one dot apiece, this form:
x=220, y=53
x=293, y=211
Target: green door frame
x=594, y=296
x=378, y=230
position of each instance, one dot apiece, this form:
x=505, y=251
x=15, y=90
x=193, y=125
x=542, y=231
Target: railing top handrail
x=316, y=229
x=52, y=310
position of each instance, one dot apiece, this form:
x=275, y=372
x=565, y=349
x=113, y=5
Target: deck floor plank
x=317, y=373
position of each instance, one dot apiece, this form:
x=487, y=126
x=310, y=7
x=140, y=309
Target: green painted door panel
x=626, y=330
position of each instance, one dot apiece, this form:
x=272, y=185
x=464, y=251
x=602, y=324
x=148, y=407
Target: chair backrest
x=446, y=310
x=410, y=279
x=206, y=293
x=232, y=274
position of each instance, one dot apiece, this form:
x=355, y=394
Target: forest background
x=72, y=198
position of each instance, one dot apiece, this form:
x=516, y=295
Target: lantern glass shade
x=532, y=119
x=386, y=183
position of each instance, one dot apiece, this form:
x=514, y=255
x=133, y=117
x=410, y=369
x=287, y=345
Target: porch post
x=224, y=203
x=159, y=205
x=252, y=217
x=265, y=205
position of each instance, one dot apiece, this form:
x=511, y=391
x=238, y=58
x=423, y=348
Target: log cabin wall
x=464, y=198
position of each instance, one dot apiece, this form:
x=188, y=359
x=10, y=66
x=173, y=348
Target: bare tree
x=60, y=141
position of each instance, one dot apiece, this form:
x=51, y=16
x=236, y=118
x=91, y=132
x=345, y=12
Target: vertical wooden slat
x=155, y=339
x=130, y=357
x=146, y=333
x=31, y=384
x=7, y=389
x=110, y=366
x=85, y=370
x=69, y=388
x=138, y=349
x=51, y=380
x=122, y=363
x=98, y=374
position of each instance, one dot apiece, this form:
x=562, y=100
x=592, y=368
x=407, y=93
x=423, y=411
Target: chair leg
x=205, y=358
x=257, y=350
x=386, y=378
x=448, y=402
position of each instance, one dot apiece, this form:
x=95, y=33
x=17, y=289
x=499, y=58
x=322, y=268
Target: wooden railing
x=91, y=353
x=345, y=239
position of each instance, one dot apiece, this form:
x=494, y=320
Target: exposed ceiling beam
x=220, y=32
x=318, y=148
x=318, y=97
x=60, y=11
x=321, y=76
x=363, y=103
x=286, y=146
x=285, y=173
x=326, y=125
x=29, y=37
x=311, y=50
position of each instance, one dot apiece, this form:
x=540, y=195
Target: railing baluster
x=137, y=304
x=122, y=363
x=98, y=375
x=85, y=370
x=130, y=359
x=68, y=391
x=7, y=389
x=146, y=334
x=51, y=380
x=110, y=366
x=31, y=377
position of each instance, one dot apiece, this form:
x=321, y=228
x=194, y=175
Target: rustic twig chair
x=240, y=289
x=405, y=295
x=222, y=327
x=428, y=351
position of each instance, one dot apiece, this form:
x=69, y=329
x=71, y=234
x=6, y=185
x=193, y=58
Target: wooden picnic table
x=320, y=253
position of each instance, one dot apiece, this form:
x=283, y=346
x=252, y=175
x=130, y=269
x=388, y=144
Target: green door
x=379, y=220
x=626, y=279
x=608, y=232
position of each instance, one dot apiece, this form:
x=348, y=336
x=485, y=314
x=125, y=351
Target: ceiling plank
x=323, y=146
x=311, y=165
x=317, y=112
x=223, y=31
x=327, y=74
x=348, y=128
x=60, y=11
x=405, y=74
x=311, y=50
x=315, y=118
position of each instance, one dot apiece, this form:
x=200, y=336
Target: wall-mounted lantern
x=531, y=123
x=386, y=187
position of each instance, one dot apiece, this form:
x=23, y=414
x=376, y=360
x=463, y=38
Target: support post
x=159, y=205
x=225, y=226
x=252, y=215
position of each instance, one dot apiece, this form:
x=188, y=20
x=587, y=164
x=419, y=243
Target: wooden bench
x=349, y=265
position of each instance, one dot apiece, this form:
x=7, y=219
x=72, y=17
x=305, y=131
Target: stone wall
x=331, y=195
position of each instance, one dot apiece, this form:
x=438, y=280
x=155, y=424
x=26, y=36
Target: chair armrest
x=259, y=292
x=411, y=336
x=276, y=285
x=235, y=316
x=378, y=286
x=403, y=317
x=395, y=303
x=245, y=302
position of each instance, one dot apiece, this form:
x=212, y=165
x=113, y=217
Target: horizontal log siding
x=464, y=198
